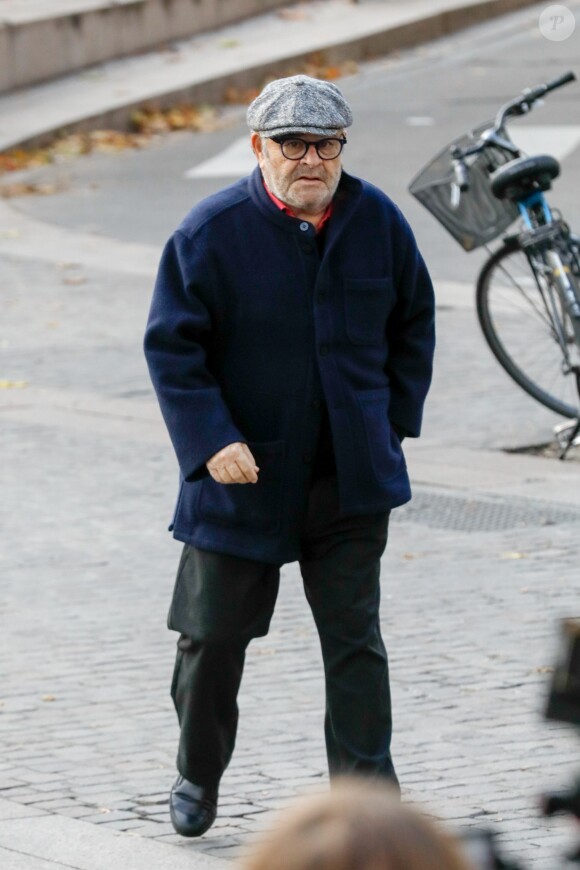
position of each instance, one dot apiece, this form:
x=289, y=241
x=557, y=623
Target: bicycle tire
x=519, y=333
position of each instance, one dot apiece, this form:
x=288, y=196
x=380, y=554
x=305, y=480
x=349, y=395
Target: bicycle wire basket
x=479, y=217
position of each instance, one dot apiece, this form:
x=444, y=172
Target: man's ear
x=257, y=144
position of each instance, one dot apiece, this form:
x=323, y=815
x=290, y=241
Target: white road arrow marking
x=558, y=140
x=236, y=160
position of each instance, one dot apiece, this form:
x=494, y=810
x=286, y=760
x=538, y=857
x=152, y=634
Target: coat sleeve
x=176, y=339
x=411, y=337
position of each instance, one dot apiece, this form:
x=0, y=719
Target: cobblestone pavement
x=88, y=480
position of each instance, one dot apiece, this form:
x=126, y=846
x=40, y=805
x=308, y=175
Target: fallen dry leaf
x=317, y=66
x=185, y=116
x=48, y=698
x=513, y=555
x=74, y=280
x=240, y=96
x=13, y=385
x=292, y=14
x=23, y=158
x=9, y=191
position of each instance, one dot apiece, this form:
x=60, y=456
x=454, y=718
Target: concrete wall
x=56, y=37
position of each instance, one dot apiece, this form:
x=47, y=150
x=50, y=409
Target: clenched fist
x=233, y=464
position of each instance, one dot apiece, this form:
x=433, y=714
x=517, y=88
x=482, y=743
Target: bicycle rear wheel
x=516, y=313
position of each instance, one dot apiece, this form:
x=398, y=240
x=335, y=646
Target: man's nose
x=311, y=157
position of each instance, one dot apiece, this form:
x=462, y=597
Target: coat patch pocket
x=367, y=303
x=252, y=506
x=384, y=446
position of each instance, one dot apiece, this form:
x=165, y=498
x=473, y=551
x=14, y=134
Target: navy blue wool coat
x=250, y=330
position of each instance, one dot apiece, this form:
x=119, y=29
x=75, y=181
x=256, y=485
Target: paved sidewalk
x=34, y=839
x=240, y=55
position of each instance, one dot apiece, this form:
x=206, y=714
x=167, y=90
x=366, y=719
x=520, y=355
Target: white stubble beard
x=310, y=206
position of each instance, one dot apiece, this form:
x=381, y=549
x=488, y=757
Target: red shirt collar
x=286, y=208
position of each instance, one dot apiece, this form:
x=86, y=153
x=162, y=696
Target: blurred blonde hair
x=359, y=825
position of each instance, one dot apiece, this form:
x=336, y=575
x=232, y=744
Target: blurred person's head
x=358, y=825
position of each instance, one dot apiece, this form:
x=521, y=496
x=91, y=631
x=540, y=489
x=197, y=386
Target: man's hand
x=233, y=464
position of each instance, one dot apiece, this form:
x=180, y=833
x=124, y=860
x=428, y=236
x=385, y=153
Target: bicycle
x=528, y=291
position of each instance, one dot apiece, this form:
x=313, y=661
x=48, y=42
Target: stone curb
x=43, y=40
x=46, y=841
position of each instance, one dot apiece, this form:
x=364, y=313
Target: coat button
x=324, y=349
x=304, y=226
x=307, y=457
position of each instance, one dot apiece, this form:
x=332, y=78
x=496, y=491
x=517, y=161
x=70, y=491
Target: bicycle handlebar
x=523, y=104
x=561, y=80
x=520, y=106
x=536, y=93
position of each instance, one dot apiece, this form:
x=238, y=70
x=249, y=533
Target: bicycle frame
x=527, y=208
x=544, y=236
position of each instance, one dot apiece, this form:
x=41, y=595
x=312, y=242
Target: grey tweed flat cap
x=299, y=104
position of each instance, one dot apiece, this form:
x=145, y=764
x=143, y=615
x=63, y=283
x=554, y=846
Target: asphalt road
x=406, y=109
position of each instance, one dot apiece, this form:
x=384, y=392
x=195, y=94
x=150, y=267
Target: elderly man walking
x=290, y=343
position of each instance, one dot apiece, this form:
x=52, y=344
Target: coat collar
x=345, y=202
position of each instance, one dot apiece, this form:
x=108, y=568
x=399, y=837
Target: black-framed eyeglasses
x=295, y=149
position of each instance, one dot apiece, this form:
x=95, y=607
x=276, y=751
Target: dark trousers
x=221, y=602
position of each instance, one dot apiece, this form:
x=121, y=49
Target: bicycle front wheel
x=527, y=330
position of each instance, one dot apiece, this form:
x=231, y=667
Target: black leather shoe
x=192, y=808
